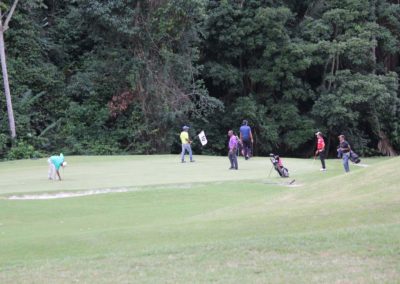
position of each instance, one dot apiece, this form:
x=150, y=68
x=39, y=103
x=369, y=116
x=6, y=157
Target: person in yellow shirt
x=185, y=140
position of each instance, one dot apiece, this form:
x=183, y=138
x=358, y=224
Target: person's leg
x=346, y=162
x=230, y=156
x=246, y=148
x=235, y=161
x=189, y=148
x=322, y=158
x=50, y=171
x=183, y=153
x=53, y=172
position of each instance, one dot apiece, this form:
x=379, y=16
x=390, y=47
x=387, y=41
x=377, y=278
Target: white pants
x=52, y=170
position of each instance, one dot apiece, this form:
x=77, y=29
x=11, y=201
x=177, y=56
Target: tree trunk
x=373, y=51
x=6, y=84
x=384, y=145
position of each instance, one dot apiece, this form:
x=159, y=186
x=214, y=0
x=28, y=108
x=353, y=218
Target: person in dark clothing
x=246, y=138
x=344, y=150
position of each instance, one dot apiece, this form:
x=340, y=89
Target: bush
x=3, y=144
x=23, y=151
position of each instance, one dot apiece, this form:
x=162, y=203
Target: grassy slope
x=335, y=228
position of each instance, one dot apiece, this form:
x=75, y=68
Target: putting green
x=104, y=172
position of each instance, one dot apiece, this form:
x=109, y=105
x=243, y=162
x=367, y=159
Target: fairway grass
x=199, y=222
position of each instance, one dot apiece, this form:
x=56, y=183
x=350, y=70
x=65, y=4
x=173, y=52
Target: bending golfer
x=186, y=144
x=233, y=144
x=344, y=151
x=55, y=162
x=320, y=149
x=246, y=137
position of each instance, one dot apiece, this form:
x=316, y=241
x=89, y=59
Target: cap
x=185, y=127
x=318, y=133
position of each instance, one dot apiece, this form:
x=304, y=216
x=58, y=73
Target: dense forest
x=96, y=77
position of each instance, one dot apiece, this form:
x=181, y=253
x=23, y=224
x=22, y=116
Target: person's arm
x=187, y=139
x=58, y=174
x=251, y=136
x=241, y=137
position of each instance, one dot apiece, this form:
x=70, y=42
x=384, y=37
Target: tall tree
x=356, y=96
x=251, y=63
x=3, y=28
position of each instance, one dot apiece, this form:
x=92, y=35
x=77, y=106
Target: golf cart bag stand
x=277, y=165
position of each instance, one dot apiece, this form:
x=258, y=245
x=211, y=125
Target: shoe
x=323, y=170
x=192, y=161
x=183, y=162
x=231, y=168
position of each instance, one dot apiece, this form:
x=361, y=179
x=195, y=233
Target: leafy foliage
x=107, y=77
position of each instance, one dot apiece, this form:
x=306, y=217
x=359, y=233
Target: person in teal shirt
x=55, y=162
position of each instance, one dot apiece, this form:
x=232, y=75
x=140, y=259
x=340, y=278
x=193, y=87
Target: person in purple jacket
x=233, y=145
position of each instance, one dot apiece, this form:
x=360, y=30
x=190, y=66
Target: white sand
x=57, y=195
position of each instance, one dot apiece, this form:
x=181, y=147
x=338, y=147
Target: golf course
x=152, y=219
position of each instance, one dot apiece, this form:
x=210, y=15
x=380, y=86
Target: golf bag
x=239, y=147
x=278, y=166
x=354, y=157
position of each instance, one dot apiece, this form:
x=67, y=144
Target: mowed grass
x=200, y=222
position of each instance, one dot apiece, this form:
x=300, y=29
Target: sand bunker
x=361, y=165
x=57, y=195
x=291, y=183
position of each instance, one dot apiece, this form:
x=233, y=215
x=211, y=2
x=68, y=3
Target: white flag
x=203, y=138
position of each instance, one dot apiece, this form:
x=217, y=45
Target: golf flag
x=203, y=138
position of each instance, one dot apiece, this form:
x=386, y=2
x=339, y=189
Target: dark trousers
x=233, y=159
x=246, y=148
x=322, y=158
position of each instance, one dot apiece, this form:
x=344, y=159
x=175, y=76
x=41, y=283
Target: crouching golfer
x=55, y=162
x=233, y=144
x=186, y=144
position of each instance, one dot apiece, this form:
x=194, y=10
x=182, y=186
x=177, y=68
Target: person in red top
x=320, y=149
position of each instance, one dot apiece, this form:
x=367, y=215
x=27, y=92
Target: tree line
x=123, y=76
